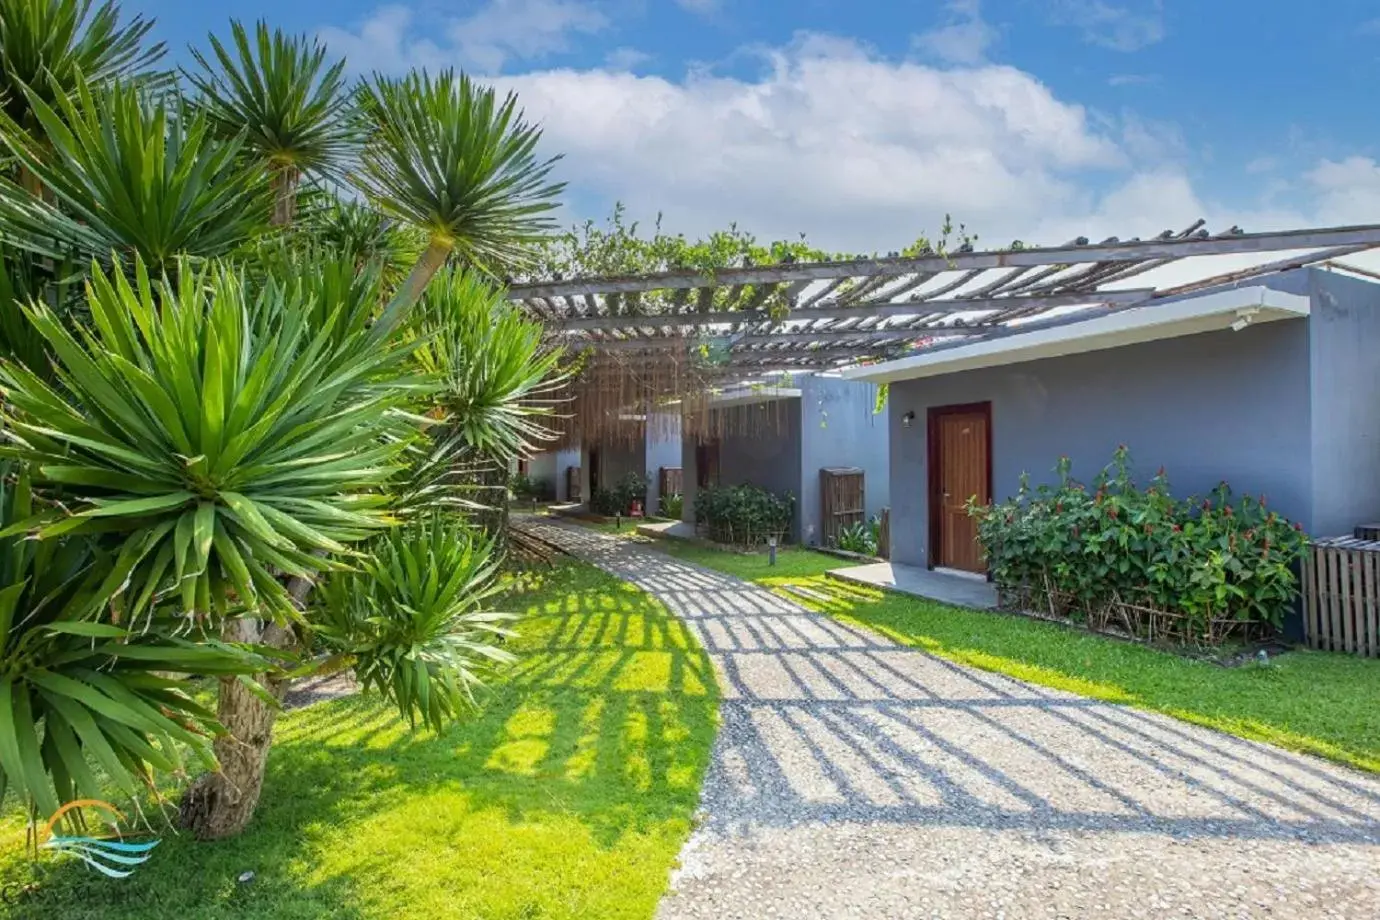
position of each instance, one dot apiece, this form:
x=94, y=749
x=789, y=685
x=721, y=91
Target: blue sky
x=861, y=123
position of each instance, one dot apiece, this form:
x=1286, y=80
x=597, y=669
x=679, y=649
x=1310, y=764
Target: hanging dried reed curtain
x=620, y=399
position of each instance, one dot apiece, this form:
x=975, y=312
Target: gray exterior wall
x=564, y=459
x=617, y=460
x=663, y=449
x=840, y=427
x=542, y=469
x=768, y=458
x=1344, y=334
x=1220, y=405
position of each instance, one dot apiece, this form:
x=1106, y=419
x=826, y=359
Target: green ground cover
x=569, y=795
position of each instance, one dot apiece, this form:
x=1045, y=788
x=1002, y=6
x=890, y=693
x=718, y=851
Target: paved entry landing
x=853, y=777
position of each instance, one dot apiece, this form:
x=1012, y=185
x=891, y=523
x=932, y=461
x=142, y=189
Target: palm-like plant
x=450, y=158
x=292, y=108
x=211, y=427
x=411, y=617
x=77, y=690
x=496, y=380
x=224, y=413
x=52, y=49
x=128, y=174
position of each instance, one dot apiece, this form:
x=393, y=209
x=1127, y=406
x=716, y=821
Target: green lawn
x=1317, y=702
x=569, y=795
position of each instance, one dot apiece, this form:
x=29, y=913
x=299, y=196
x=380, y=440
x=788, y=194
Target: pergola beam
x=1368, y=235
x=664, y=344
x=895, y=308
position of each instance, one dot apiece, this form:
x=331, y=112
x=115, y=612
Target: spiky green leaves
x=497, y=381
x=79, y=695
x=54, y=47
x=223, y=435
x=292, y=108
x=451, y=158
x=126, y=173
x=412, y=617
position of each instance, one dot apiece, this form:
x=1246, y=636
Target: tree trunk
x=285, y=180
x=221, y=804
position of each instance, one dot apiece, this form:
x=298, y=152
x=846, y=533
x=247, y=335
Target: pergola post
x=689, y=473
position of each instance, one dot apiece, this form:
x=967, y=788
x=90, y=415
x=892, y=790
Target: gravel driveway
x=853, y=777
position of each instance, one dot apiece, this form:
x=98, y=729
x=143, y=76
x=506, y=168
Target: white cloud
x=503, y=30
x=794, y=150
x=1151, y=140
x=1261, y=165
x=965, y=37
x=1127, y=25
x=1348, y=190
x=625, y=58
x=703, y=7
x=864, y=153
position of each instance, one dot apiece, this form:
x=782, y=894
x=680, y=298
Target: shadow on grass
x=568, y=794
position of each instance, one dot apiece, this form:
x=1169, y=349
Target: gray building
x=780, y=437
x=1272, y=388
x=653, y=444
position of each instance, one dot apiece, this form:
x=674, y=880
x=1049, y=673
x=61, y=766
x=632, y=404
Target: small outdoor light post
x=618, y=520
x=771, y=551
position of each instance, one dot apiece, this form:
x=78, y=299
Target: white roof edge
x=1170, y=319
x=739, y=396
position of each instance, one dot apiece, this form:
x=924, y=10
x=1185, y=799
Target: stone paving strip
x=855, y=777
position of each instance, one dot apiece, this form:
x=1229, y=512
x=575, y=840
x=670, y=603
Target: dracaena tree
x=209, y=407
x=288, y=102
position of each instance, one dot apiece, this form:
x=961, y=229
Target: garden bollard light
x=771, y=551
x=618, y=521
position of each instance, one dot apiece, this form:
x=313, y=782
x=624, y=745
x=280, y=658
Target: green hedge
x=1120, y=554
x=744, y=515
x=618, y=498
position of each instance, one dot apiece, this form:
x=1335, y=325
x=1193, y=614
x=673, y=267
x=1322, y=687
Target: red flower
x=1177, y=529
x=1298, y=527
x=1226, y=509
x=1111, y=513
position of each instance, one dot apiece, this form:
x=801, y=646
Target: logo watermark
x=109, y=856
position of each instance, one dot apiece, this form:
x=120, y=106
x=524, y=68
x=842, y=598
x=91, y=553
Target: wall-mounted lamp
x=1243, y=318
x=908, y=419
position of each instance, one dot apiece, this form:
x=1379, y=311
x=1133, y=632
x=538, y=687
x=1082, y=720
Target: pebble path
x=855, y=777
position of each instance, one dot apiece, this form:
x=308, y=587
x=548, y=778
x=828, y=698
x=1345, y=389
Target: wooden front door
x=960, y=461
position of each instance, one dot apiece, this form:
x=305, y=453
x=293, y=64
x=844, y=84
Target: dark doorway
x=960, y=462
x=707, y=464
x=593, y=470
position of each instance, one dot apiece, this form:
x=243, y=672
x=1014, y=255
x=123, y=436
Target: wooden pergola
x=676, y=334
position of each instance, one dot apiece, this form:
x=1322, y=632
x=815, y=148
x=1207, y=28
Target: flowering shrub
x=744, y=515
x=672, y=506
x=1199, y=569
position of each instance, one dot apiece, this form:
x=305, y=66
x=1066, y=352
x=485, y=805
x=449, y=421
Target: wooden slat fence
x=1341, y=591
x=841, y=501
x=572, y=484
x=884, y=534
